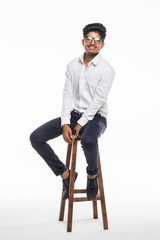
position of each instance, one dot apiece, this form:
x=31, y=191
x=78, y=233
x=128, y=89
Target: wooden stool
x=100, y=196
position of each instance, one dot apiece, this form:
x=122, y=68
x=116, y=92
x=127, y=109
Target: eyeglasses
x=96, y=39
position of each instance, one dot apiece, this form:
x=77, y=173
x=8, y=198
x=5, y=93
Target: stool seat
x=71, y=158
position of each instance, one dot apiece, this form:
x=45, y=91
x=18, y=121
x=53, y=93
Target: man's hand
x=78, y=128
x=67, y=133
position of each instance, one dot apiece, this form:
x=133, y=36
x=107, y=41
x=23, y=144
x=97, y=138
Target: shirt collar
x=95, y=60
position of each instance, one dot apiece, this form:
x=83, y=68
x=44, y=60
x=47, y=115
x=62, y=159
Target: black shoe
x=66, y=186
x=92, y=188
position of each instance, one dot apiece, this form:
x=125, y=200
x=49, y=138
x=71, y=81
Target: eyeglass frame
x=93, y=39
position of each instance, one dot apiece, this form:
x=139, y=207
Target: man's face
x=92, y=47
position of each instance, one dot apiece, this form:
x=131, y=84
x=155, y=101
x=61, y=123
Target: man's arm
x=100, y=96
x=67, y=99
x=67, y=108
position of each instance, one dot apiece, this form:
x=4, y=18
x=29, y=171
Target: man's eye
x=89, y=38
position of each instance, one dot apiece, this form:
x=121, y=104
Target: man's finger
x=68, y=139
x=65, y=139
x=70, y=135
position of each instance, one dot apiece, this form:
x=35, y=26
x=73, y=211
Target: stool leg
x=71, y=188
x=62, y=207
x=101, y=189
x=95, y=212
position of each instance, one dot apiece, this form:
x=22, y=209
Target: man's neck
x=89, y=57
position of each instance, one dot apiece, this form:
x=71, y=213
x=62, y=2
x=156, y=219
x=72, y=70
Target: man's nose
x=92, y=41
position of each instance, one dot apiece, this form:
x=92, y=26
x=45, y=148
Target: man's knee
x=35, y=139
x=89, y=143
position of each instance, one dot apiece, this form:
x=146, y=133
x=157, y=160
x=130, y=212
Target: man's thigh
x=49, y=130
x=94, y=128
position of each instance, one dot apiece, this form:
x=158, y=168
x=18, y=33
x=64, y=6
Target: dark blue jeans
x=89, y=141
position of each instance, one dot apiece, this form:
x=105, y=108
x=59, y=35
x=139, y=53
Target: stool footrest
x=82, y=199
x=79, y=190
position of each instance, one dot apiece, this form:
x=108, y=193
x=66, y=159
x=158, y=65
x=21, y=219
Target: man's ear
x=83, y=42
x=103, y=44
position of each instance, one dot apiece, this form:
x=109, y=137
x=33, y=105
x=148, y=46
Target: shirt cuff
x=65, y=120
x=82, y=121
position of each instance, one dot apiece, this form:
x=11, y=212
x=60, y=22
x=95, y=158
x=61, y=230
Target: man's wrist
x=75, y=133
x=65, y=125
x=78, y=128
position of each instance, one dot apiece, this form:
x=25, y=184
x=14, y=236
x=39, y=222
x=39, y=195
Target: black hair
x=95, y=27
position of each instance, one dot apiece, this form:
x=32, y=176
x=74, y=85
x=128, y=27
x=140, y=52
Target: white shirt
x=86, y=88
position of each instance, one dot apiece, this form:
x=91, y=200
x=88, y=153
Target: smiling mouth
x=92, y=47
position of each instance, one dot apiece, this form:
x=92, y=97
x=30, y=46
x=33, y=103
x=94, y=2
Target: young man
x=84, y=110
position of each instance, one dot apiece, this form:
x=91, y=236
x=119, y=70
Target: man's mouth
x=92, y=47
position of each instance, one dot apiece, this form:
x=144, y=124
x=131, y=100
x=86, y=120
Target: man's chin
x=92, y=53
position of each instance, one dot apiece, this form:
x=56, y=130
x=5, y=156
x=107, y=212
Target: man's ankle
x=92, y=176
x=65, y=174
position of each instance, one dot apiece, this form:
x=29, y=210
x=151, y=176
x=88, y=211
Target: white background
x=37, y=39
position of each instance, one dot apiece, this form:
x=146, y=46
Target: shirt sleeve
x=99, y=97
x=67, y=99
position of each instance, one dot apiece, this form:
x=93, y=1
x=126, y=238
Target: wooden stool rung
x=82, y=199
x=79, y=190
